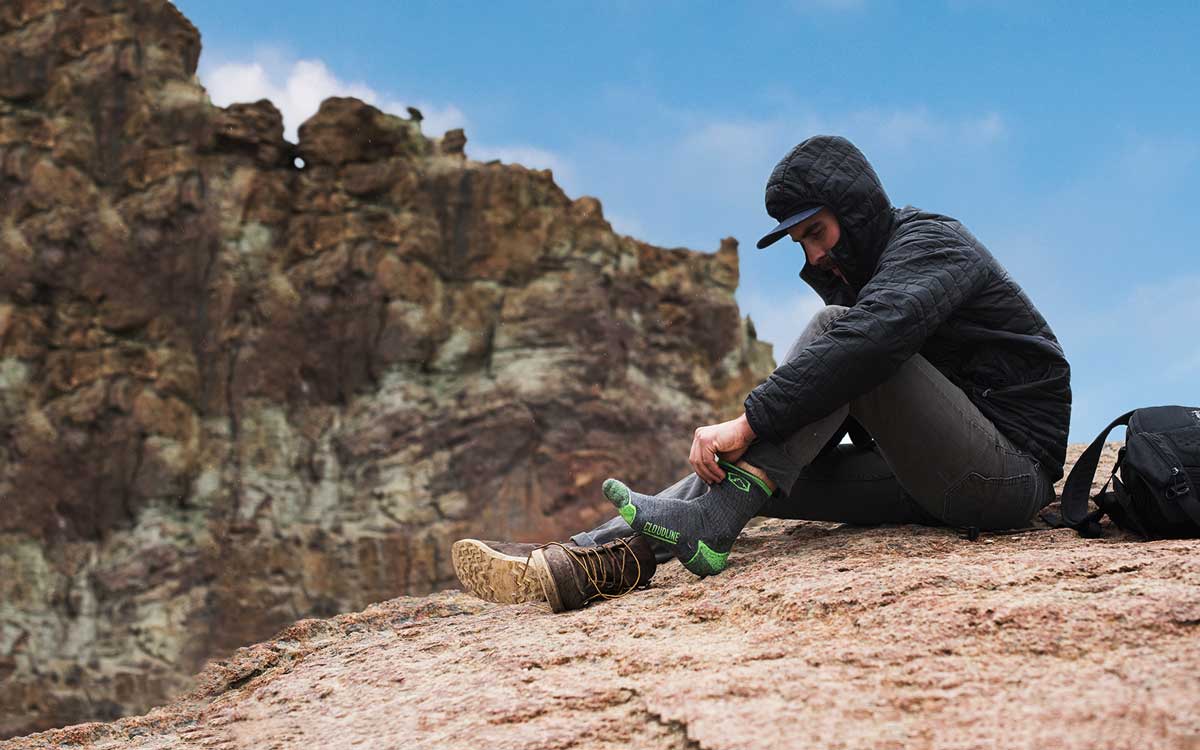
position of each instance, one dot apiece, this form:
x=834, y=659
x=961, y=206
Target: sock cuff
x=743, y=473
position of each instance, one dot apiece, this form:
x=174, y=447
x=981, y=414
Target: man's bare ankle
x=756, y=472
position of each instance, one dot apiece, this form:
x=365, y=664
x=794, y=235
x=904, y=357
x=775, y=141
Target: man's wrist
x=746, y=430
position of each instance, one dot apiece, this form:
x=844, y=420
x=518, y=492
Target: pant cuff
x=583, y=539
x=775, y=462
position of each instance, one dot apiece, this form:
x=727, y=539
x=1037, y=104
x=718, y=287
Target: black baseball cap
x=777, y=233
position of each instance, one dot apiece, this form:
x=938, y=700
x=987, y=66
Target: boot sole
x=494, y=576
x=542, y=569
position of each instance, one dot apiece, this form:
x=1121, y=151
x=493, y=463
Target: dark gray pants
x=937, y=461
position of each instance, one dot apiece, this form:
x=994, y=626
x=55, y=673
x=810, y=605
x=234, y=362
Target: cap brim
x=777, y=233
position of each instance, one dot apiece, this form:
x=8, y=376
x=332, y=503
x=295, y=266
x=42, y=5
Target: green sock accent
x=730, y=468
x=702, y=524
x=618, y=494
x=716, y=560
x=628, y=512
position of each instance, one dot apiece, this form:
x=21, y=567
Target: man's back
x=995, y=345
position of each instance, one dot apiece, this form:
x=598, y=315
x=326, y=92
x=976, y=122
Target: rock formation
x=236, y=391
x=817, y=635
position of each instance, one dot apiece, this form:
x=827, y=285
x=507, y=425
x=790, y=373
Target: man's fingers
x=718, y=472
x=704, y=468
x=694, y=457
x=707, y=459
x=694, y=460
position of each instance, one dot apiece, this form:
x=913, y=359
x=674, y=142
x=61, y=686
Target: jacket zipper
x=1018, y=388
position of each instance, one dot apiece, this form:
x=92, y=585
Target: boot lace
x=603, y=566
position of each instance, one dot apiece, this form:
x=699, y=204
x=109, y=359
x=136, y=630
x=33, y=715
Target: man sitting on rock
x=954, y=390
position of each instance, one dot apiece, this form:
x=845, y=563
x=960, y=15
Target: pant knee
x=818, y=324
x=829, y=313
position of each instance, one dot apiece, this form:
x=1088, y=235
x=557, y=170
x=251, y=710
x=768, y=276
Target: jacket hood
x=830, y=171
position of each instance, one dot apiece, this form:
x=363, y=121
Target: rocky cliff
x=816, y=636
x=245, y=381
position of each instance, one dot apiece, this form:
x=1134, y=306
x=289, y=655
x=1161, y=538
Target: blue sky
x=1063, y=135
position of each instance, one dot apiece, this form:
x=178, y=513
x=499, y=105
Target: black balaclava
x=830, y=171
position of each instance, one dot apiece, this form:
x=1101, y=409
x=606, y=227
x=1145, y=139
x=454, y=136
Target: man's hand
x=729, y=440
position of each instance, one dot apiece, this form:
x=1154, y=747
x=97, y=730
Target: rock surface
x=817, y=635
x=235, y=392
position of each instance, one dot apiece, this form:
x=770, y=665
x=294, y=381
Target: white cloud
x=987, y=129
x=527, y=156
x=731, y=141
x=905, y=129
x=700, y=174
x=741, y=146
x=297, y=87
x=722, y=157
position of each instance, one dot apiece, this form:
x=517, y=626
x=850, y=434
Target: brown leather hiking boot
x=497, y=571
x=573, y=576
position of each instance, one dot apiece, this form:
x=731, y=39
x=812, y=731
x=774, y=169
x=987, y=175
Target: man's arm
x=913, y=292
x=727, y=439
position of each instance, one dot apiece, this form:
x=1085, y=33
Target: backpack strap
x=1119, y=498
x=1079, y=483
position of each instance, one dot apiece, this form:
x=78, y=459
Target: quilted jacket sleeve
x=916, y=287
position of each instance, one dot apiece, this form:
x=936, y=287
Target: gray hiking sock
x=699, y=531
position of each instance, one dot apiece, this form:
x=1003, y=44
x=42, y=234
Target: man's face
x=817, y=234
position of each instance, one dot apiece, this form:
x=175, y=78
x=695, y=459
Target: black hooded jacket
x=916, y=282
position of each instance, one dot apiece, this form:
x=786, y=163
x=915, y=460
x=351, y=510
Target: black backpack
x=1158, y=494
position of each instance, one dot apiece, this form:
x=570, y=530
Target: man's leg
x=779, y=464
x=950, y=458
x=687, y=488
x=848, y=485
x=700, y=522
x=949, y=464
x=845, y=485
